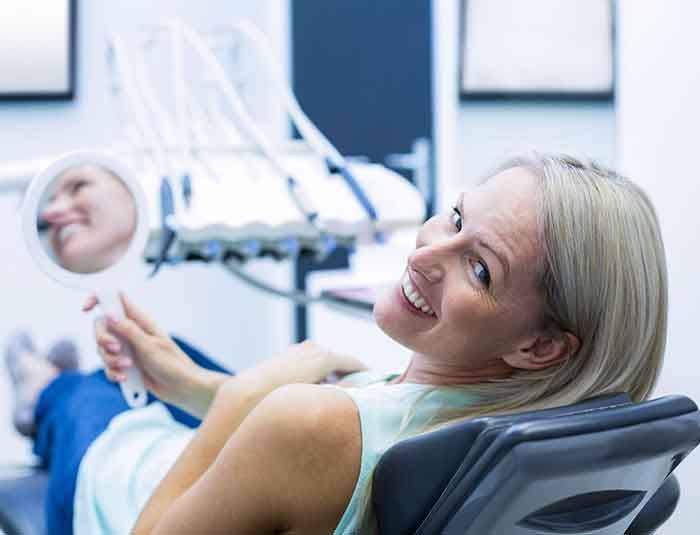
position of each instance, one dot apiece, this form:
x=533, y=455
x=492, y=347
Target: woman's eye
x=456, y=218
x=78, y=185
x=482, y=273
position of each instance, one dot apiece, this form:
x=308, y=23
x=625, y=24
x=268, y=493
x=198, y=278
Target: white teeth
x=414, y=297
x=68, y=230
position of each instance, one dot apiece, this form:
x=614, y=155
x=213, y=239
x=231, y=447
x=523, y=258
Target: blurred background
x=438, y=90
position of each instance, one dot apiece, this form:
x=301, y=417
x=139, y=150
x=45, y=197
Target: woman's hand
x=307, y=362
x=167, y=371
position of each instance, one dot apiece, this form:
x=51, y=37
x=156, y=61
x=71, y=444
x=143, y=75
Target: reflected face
x=91, y=218
x=469, y=294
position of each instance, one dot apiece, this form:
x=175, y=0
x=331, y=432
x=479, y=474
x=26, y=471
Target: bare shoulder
x=315, y=431
x=321, y=424
x=322, y=413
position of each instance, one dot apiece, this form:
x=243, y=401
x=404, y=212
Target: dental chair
x=602, y=467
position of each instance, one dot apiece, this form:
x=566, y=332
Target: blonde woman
x=542, y=286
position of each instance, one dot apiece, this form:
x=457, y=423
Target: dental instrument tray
x=245, y=214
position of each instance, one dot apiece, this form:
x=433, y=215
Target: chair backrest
x=563, y=474
x=415, y=474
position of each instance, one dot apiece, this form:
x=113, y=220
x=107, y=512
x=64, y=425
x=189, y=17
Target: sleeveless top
x=388, y=413
x=123, y=466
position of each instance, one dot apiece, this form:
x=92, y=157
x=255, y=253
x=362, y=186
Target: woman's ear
x=544, y=350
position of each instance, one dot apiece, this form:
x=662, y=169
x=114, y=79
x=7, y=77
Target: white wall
x=491, y=131
x=658, y=117
x=203, y=304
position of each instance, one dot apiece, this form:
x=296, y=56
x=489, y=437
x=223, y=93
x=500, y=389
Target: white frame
x=102, y=280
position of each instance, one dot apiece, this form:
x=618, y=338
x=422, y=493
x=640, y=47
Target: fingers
x=109, y=348
x=90, y=303
x=116, y=367
x=131, y=332
x=115, y=361
x=115, y=376
x=138, y=316
x=347, y=364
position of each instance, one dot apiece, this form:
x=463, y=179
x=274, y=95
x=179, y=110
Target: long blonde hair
x=604, y=279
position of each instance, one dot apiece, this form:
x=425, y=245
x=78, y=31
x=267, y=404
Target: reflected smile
x=414, y=297
x=61, y=233
x=66, y=231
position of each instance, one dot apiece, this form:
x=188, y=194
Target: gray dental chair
x=601, y=467
x=546, y=472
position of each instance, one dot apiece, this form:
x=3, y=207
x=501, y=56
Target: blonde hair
x=604, y=279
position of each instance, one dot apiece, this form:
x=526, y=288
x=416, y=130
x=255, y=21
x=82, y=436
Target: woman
x=91, y=218
x=543, y=286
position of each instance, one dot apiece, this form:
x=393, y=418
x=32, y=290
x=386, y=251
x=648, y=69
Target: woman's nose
x=55, y=211
x=429, y=259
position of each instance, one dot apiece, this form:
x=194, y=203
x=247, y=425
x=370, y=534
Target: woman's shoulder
x=321, y=412
x=315, y=432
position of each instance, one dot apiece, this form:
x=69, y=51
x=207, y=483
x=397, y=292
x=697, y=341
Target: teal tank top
x=124, y=465
x=388, y=413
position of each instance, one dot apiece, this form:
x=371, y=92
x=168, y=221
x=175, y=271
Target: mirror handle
x=132, y=387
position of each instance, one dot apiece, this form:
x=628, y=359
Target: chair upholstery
x=539, y=474
x=658, y=509
x=422, y=467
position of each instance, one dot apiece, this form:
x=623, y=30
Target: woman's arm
x=168, y=372
x=289, y=466
x=237, y=397
x=173, y=377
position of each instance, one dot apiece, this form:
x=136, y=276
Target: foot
x=64, y=355
x=29, y=374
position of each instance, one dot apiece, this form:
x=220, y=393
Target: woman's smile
x=415, y=299
x=66, y=232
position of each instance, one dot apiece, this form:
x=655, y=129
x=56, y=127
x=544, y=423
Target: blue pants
x=73, y=411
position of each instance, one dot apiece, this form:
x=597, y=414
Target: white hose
x=125, y=73
x=306, y=127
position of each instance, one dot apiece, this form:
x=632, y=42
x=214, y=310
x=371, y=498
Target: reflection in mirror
x=87, y=218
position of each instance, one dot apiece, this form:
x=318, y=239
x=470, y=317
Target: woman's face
x=91, y=216
x=473, y=276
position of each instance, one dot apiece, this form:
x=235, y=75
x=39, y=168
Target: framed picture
x=537, y=49
x=37, y=49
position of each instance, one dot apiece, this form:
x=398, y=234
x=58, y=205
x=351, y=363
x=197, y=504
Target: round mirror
x=85, y=223
x=85, y=220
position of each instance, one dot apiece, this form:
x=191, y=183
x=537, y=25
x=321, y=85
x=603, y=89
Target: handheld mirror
x=85, y=223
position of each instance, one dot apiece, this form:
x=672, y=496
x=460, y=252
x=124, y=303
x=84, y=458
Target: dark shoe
x=64, y=355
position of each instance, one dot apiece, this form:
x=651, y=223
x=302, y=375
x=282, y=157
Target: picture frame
x=38, y=50
x=539, y=49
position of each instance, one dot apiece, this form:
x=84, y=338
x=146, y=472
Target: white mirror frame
x=112, y=276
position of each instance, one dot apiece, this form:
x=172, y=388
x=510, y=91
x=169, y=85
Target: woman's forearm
x=199, y=391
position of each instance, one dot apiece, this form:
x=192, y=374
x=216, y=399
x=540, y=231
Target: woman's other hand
x=167, y=371
x=307, y=362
